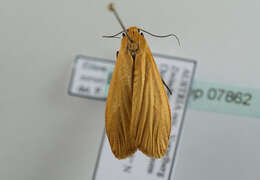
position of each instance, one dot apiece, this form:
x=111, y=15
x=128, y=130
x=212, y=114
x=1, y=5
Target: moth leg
x=167, y=87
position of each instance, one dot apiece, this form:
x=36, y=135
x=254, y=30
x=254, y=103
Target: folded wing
x=151, y=116
x=119, y=107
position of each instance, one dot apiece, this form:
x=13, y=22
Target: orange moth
x=138, y=115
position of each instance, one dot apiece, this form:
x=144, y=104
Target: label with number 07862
x=225, y=95
x=225, y=98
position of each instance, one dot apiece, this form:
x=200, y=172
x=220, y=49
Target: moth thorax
x=133, y=48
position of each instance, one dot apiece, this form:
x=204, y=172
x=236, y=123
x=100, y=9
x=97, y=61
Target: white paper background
x=46, y=134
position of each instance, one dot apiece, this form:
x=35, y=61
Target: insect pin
x=138, y=115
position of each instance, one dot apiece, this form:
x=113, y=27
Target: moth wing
x=151, y=114
x=119, y=107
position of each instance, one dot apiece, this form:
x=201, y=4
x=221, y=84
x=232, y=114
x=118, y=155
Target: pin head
x=111, y=7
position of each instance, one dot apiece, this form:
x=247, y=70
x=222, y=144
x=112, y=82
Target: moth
x=138, y=115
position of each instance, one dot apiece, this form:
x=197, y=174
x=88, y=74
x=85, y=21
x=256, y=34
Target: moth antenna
x=163, y=36
x=113, y=36
x=111, y=8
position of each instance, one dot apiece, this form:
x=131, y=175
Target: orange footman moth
x=138, y=114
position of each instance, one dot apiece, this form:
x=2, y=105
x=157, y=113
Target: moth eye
x=123, y=34
x=142, y=34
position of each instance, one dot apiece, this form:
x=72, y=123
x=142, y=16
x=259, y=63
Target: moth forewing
x=119, y=106
x=151, y=116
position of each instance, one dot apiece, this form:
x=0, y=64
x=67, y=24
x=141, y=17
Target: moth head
x=133, y=40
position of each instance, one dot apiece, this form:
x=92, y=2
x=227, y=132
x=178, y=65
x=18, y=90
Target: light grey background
x=46, y=134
